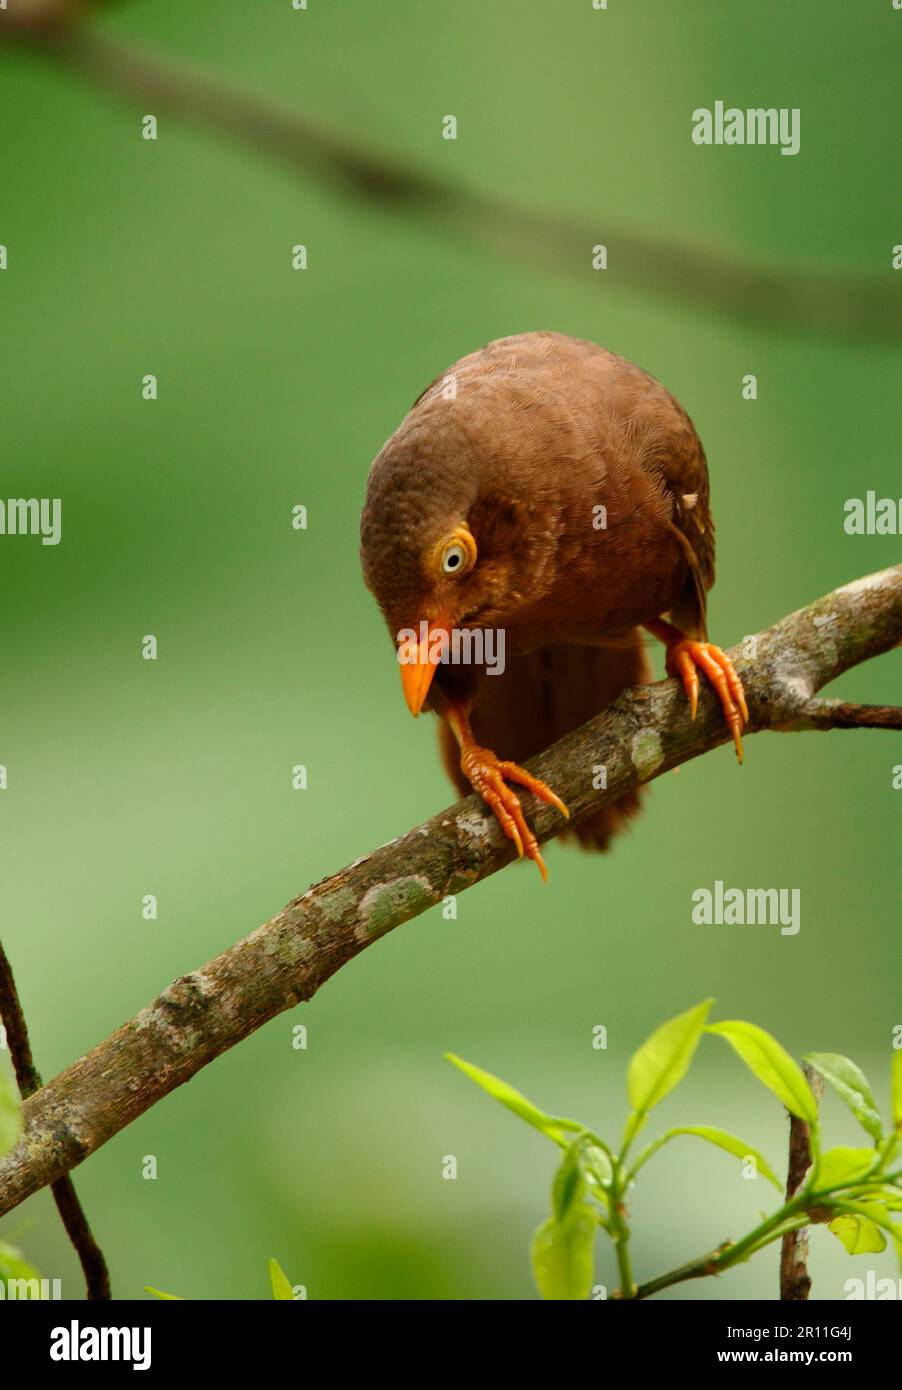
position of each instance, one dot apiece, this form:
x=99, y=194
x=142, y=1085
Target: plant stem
x=620, y=1231
x=792, y=1216
x=728, y=1254
x=695, y=1269
x=627, y=1287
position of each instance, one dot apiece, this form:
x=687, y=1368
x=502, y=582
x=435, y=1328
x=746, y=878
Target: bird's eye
x=458, y=551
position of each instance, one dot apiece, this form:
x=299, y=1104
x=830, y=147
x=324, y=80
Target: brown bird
x=547, y=492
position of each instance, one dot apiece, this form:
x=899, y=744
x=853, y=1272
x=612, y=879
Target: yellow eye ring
x=457, y=552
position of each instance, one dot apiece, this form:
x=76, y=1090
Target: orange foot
x=486, y=773
x=684, y=658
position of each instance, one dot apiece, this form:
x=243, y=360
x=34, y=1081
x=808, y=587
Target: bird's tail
x=541, y=697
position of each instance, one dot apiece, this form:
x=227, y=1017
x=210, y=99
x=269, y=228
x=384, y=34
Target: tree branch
x=28, y=1078
x=795, y=1281
x=646, y=732
x=839, y=714
x=805, y=298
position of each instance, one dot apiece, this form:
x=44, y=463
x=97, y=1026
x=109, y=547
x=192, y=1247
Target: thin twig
x=839, y=714
x=795, y=1281
x=644, y=734
x=703, y=1266
x=28, y=1079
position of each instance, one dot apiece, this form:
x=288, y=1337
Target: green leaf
x=896, y=1090
x=851, y=1084
x=843, y=1166
x=168, y=1297
x=562, y=1254
x=732, y=1145
x=547, y=1124
x=10, y=1115
x=859, y=1235
x=663, y=1060
x=597, y=1164
x=873, y=1211
x=281, y=1288
x=569, y=1185
x=772, y=1065
x=13, y=1266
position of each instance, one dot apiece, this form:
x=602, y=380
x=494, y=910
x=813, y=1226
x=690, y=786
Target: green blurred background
x=277, y=388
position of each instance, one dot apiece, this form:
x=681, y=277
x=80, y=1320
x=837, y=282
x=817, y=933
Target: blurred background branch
x=804, y=298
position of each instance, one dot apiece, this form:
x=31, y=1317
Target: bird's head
x=444, y=545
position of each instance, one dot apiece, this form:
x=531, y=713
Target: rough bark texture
x=795, y=1281
x=204, y=1013
x=28, y=1078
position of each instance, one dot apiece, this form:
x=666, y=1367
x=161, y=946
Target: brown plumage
x=550, y=489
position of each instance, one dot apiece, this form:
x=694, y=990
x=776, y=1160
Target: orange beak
x=418, y=656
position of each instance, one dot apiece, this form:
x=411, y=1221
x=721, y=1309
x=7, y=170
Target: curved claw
x=686, y=657
x=486, y=773
x=539, y=789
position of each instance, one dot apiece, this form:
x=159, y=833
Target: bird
x=550, y=491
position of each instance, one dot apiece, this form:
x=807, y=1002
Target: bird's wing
x=666, y=447
x=680, y=462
